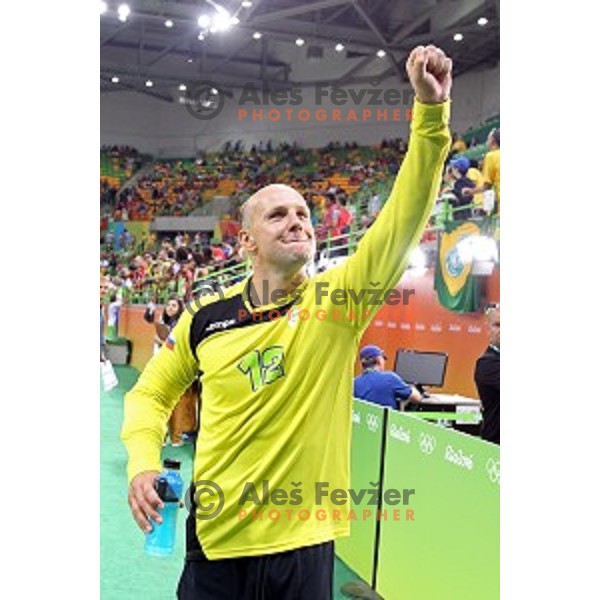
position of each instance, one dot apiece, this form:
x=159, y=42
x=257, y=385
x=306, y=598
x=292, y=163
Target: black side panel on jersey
x=231, y=313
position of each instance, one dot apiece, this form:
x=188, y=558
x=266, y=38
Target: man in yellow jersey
x=475, y=175
x=275, y=354
x=491, y=169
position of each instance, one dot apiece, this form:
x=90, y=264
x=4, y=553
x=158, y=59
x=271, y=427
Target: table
x=445, y=409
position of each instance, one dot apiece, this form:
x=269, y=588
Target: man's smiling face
x=276, y=228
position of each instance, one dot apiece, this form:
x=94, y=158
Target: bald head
x=277, y=234
x=262, y=198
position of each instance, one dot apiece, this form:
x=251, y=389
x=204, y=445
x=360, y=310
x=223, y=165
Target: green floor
x=126, y=573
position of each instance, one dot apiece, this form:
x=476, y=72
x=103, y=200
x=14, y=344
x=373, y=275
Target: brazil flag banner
x=456, y=288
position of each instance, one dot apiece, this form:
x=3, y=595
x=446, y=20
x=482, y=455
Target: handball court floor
x=126, y=573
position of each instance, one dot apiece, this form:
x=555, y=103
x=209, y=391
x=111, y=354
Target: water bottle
x=169, y=486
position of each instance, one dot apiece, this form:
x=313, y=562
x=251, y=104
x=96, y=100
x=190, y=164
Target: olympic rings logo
x=493, y=470
x=427, y=443
x=372, y=422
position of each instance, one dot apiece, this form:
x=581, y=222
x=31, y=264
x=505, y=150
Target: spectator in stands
x=374, y=205
x=167, y=320
x=475, y=175
x=351, y=209
x=491, y=169
x=182, y=254
x=114, y=311
x=143, y=242
x=487, y=378
x=378, y=386
x=104, y=287
x=227, y=249
x=183, y=417
x=458, y=145
x=460, y=166
x=173, y=187
x=218, y=255
x=442, y=212
x=345, y=218
x=332, y=215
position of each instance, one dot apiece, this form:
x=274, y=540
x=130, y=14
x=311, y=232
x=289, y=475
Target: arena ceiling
x=143, y=48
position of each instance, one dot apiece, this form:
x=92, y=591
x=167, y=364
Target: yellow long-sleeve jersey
x=277, y=384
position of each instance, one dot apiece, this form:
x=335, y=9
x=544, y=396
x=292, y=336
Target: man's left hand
x=430, y=73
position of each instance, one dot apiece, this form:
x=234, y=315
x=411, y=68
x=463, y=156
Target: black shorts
x=301, y=574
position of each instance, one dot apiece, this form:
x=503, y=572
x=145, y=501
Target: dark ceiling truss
x=144, y=48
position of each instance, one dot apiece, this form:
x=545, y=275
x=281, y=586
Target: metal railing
x=343, y=245
x=338, y=246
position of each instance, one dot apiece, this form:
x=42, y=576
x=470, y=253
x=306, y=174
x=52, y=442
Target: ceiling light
x=190, y=60
x=168, y=23
x=203, y=21
x=115, y=79
x=458, y=37
x=482, y=21
x=222, y=21
x=182, y=87
x=103, y=7
x=149, y=83
x=380, y=53
x=257, y=35
x=299, y=42
x=246, y=4
x=124, y=11
x=339, y=47
x=201, y=36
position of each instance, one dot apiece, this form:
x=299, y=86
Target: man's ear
x=246, y=240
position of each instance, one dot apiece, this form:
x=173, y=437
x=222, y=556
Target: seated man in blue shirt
x=385, y=388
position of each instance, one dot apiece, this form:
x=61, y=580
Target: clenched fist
x=430, y=73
